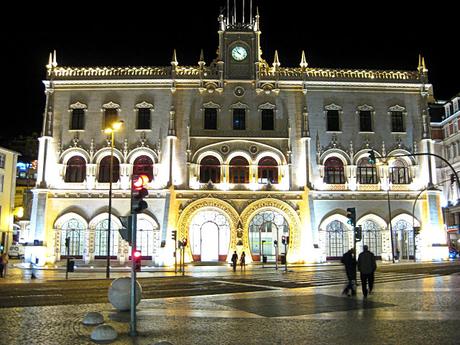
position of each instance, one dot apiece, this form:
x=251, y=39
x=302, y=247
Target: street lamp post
x=110, y=130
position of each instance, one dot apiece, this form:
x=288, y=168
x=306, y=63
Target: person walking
x=243, y=261
x=234, y=260
x=3, y=264
x=349, y=261
x=367, y=267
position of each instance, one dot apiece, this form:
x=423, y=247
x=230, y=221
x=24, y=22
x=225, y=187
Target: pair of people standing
x=366, y=266
x=235, y=261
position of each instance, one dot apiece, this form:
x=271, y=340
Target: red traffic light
x=140, y=181
x=137, y=254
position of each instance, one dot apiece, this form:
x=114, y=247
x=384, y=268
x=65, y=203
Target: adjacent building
x=240, y=154
x=8, y=160
x=446, y=133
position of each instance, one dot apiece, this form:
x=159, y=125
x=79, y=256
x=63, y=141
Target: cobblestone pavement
x=420, y=311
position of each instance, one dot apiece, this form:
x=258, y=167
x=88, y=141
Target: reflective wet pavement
x=418, y=311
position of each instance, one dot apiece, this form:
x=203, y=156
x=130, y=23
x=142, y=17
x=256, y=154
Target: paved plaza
x=417, y=311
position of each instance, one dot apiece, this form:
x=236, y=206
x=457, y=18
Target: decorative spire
x=174, y=59
x=54, y=64
x=421, y=64
x=50, y=61
x=303, y=61
x=276, y=61
x=257, y=20
x=201, y=62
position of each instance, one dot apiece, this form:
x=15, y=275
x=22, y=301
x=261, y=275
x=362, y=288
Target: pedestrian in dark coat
x=234, y=260
x=349, y=261
x=243, y=261
x=367, y=267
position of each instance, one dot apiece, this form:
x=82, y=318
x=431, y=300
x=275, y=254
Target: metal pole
x=391, y=227
x=133, y=331
x=183, y=260
x=175, y=254
x=262, y=252
x=68, y=261
x=285, y=257
x=107, y=273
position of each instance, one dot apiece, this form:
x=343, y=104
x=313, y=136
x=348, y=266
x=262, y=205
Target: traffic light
x=138, y=193
x=452, y=178
x=416, y=230
x=174, y=234
x=126, y=230
x=358, y=233
x=287, y=239
x=371, y=158
x=67, y=242
x=184, y=242
x=283, y=240
x=275, y=243
x=351, y=215
x=137, y=257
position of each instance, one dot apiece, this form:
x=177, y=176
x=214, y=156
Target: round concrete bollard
x=120, y=291
x=93, y=318
x=104, y=333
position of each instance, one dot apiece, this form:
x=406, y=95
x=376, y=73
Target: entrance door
x=209, y=242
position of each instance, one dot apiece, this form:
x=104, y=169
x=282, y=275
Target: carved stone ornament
x=253, y=149
x=239, y=91
x=224, y=149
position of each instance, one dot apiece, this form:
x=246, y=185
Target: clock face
x=239, y=53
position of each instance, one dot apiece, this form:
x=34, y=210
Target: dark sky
x=379, y=35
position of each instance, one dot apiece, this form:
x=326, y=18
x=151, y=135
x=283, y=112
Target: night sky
x=332, y=35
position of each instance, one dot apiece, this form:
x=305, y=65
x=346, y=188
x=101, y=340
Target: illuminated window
x=75, y=231
x=336, y=239
x=367, y=173
x=399, y=172
x=75, y=170
x=404, y=239
x=104, y=170
x=334, y=171
x=2, y=160
x=210, y=118
x=143, y=118
x=372, y=237
x=239, y=170
x=268, y=170
x=143, y=165
x=100, y=239
x=209, y=170
x=265, y=228
x=239, y=118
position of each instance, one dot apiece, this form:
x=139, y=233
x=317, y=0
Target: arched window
x=333, y=171
x=336, y=239
x=75, y=170
x=75, y=231
x=268, y=170
x=100, y=240
x=209, y=170
x=372, y=237
x=367, y=173
x=143, y=165
x=399, y=172
x=104, y=170
x=239, y=170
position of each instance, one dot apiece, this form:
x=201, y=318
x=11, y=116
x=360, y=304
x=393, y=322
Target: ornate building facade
x=446, y=133
x=240, y=153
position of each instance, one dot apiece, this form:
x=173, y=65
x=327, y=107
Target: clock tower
x=239, y=42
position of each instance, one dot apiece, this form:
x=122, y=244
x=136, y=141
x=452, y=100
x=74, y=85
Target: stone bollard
x=120, y=291
x=93, y=318
x=104, y=333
